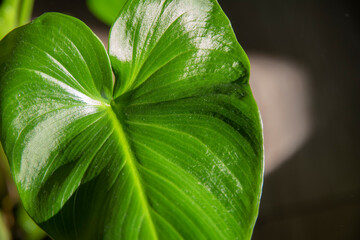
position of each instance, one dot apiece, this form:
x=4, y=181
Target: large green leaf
x=172, y=151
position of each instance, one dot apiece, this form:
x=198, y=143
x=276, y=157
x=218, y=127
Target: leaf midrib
x=131, y=161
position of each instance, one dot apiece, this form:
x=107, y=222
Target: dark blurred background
x=313, y=192
x=305, y=59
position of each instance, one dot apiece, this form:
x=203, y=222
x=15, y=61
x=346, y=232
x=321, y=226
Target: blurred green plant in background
x=105, y=10
x=14, y=13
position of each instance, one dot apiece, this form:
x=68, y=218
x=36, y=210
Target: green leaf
x=172, y=151
x=106, y=10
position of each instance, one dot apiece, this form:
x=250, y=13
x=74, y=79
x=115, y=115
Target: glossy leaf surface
x=172, y=151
